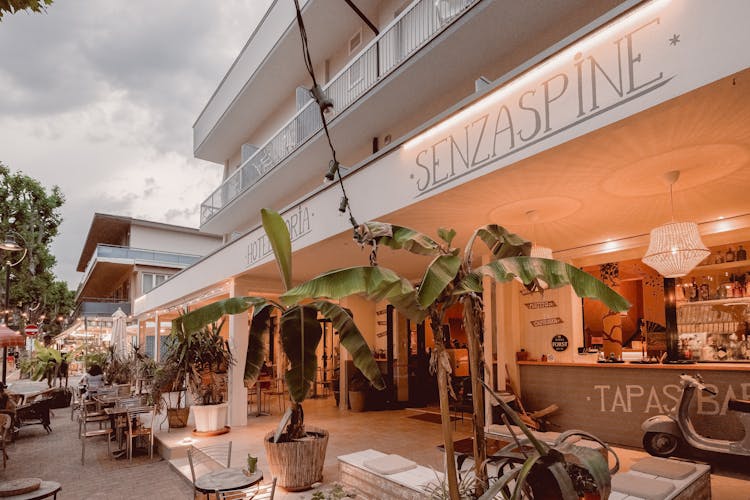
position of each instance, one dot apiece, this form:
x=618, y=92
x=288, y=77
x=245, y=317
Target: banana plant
x=47, y=362
x=449, y=279
x=299, y=328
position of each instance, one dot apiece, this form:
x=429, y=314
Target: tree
x=28, y=209
x=13, y=6
x=450, y=279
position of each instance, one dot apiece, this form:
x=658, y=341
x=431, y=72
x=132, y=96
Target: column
x=239, y=331
x=157, y=337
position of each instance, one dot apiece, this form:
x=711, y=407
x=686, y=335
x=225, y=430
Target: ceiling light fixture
x=675, y=248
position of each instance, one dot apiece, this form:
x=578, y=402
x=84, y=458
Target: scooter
x=664, y=434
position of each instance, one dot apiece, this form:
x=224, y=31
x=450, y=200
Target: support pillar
x=239, y=331
x=157, y=338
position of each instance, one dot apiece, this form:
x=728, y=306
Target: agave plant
x=299, y=328
x=449, y=279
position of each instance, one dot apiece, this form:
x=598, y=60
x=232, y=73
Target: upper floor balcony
x=110, y=263
x=89, y=306
x=412, y=30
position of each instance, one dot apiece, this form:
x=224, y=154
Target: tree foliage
x=13, y=6
x=28, y=209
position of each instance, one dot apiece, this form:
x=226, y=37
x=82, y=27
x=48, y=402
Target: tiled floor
x=57, y=456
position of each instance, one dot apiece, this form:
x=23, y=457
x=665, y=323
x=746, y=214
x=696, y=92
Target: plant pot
x=357, y=400
x=178, y=417
x=297, y=465
x=210, y=418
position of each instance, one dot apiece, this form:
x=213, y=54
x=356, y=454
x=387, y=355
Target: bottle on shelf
x=729, y=256
x=741, y=253
x=694, y=293
x=718, y=258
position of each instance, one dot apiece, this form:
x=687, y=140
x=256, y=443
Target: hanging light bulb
x=675, y=248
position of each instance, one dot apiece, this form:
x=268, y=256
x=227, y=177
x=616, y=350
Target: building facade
x=556, y=120
x=123, y=258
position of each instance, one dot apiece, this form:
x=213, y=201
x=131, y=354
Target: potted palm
x=295, y=452
x=200, y=358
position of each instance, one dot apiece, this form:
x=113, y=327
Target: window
x=151, y=281
x=355, y=41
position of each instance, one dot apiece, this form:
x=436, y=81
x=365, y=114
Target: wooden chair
x=6, y=423
x=257, y=492
x=84, y=433
x=138, y=428
x=278, y=391
x=75, y=402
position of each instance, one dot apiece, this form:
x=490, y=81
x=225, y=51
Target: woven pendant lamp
x=675, y=248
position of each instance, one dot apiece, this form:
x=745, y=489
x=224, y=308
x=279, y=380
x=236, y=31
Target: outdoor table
x=45, y=490
x=226, y=479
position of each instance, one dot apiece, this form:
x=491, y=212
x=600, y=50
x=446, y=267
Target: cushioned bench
x=663, y=479
x=378, y=475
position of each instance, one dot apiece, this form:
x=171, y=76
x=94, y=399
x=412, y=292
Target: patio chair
x=276, y=390
x=137, y=428
x=75, y=401
x=84, y=433
x=257, y=492
x=208, y=458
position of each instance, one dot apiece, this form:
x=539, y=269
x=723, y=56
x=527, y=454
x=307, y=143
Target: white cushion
x=389, y=464
x=671, y=469
x=642, y=487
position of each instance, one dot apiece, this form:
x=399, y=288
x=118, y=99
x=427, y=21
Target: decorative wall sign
x=546, y=322
x=560, y=343
x=542, y=304
x=298, y=221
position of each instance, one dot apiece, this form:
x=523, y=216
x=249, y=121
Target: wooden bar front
x=612, y=400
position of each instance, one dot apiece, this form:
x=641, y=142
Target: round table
x=46, y=489
x=226, y=479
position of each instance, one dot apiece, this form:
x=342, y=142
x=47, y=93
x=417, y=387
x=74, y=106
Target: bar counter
x=611, y=400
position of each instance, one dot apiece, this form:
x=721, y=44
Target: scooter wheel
x=661, y=444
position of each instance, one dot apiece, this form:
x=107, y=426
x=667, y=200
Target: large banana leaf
x=300, y=335
x=399, y=237
x=500, y=241
x=553, y=272
x=351, y=338
x=375, y=282
x=441, y=271
x=281, y=243
x=257, y=349
x=195, y=320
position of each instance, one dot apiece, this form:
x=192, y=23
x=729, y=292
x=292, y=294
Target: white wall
x=149, y=238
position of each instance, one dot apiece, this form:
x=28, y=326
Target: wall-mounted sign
x=559, y=343
x=542, y=304
x=546, y=322
x=299, y=223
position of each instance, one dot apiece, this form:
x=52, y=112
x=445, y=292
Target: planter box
x=210, y=418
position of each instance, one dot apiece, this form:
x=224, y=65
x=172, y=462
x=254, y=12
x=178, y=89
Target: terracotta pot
x=357, y=400
x=177, y=417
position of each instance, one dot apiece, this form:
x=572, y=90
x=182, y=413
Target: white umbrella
x=118, y=331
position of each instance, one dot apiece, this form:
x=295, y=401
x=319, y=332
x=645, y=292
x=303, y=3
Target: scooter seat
x=740, y=405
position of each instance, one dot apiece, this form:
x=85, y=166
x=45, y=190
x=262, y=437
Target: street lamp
x=10, y=245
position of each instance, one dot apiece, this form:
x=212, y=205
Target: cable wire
x=309, y=65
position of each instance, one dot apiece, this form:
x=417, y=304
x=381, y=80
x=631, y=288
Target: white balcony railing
x=411, y=30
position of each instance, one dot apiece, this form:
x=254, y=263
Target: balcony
x=409, y=32
x=89, y=306
x=109, y=264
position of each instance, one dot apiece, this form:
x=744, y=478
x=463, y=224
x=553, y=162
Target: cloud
x=100, y=97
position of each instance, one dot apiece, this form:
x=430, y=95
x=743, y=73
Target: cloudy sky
x=100, y=97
